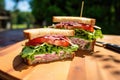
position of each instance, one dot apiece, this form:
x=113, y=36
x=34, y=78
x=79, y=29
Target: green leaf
x=29, y=51
x=88, y=35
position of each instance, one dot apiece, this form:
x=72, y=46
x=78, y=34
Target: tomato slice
x=61, y=43
x=55, y=40
x=87, y=27
x=35, y=41
x=65, y=43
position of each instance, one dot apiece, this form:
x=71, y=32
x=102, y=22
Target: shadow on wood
x=18, y=64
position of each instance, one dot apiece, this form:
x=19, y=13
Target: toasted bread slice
x=83, y=20
x=38, y=32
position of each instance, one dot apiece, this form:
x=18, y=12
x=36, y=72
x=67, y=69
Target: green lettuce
x=88, y=35
x=29, y=51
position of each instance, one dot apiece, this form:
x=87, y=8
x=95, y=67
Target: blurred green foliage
x=106, y=13
x=19, y=17
x=2, y=4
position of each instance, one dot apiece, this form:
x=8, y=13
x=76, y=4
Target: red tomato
x=61, y=43
x=55, y=40
x=36, y=41
x=87, y=27
x=65, y=43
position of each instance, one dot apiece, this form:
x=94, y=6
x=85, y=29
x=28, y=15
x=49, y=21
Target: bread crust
x=38, y=32
x=83, y=20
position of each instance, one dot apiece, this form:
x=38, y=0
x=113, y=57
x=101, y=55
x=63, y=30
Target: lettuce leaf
x=88, y=35
x=29, y=51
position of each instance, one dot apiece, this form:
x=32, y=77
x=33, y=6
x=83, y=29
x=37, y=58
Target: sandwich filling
x=85, y=34
x=84, y=31
x=48, y=48
x=74, y=25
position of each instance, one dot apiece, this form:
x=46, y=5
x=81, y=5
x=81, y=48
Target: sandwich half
x=47, y=44
x=86, y=32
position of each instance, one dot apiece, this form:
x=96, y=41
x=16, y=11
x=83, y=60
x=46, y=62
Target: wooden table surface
x=103, y=64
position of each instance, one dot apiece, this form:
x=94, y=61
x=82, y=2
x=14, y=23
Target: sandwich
x=85, y=30
x=46, y=45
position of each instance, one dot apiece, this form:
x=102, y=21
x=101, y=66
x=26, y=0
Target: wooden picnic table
x=103, y=64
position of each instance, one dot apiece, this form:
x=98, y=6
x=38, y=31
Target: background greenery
x=106, y=12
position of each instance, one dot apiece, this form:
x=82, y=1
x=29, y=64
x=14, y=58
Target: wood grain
x=103, y=64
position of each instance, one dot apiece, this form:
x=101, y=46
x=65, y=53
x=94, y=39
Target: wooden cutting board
x=103, y=64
